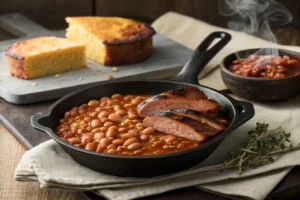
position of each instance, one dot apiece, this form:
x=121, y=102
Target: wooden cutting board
x=167, y=59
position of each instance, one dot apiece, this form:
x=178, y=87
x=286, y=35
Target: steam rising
x=256, y=17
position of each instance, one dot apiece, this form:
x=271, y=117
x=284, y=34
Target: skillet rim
x=48, y=112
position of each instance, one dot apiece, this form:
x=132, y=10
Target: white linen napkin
x=53, y=168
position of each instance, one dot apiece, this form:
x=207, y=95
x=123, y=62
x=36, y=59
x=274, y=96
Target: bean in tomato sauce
x=266, y=66
x=112, y=125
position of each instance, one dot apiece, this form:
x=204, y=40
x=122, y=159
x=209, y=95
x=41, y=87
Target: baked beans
x=266, y=66
x=112, y=125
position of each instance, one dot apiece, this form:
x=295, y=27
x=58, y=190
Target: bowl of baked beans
x=257, y=75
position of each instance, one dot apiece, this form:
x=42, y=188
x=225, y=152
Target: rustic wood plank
x=149, y=10
x=48, y=13
x=51, y=13
x=288, y=37
x=11, y=152
x=146, y=10
x=4, y=35
x=17, y=121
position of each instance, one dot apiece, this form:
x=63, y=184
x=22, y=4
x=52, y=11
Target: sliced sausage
x=159, y=103
x=213, y=122
x=187, y=92
x=187, y=98
x=177, y=125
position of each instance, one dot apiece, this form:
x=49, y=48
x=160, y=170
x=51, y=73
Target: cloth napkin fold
x=53, y=168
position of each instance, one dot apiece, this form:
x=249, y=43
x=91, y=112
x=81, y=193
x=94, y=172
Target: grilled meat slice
x=210, y=121
x=187, y=98
x=187, y=92
x=170, y=123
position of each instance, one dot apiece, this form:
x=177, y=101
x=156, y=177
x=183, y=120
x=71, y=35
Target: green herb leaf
x=260, y=148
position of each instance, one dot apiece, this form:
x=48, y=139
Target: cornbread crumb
x=33, y=84
x=80, y=78
x=57, y=75
x=109, y=76
x=115, y=69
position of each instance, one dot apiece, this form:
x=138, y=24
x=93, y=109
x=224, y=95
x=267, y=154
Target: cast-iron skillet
x=237, y=112
x=260, y=89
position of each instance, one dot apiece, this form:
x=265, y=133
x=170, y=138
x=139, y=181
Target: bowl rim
x=288, y=52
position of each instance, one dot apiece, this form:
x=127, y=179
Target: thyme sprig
x=261, y=148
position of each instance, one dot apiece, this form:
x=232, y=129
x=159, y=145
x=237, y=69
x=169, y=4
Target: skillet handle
x=201, y=56
x=244, y=112
x=39, y=119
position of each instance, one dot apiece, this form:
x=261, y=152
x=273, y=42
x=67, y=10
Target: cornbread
x=43, y=56
x=112, y=40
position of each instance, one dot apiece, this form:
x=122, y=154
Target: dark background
x=51, y=13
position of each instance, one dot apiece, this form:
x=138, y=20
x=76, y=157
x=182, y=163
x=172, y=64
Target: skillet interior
x=58, y=109
x=137, y=165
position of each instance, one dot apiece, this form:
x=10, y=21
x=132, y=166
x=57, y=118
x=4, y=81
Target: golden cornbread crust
x=43, y=56
x=120, y=41
x=123, y=54
x=16, y=67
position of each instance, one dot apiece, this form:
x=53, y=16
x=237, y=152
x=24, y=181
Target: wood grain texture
x=149, y=10
x=180, y=194
x=11, y=152
x=288, y=37
x=51, y=13
x=4, y=35
x=19, y=119
x=48, y=13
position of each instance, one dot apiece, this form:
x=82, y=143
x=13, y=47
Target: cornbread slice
x=112, y=40
x=43, y=56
